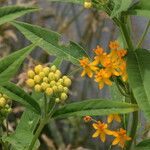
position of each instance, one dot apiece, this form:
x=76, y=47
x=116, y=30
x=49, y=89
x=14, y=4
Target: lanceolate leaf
x=23, y=135
x=17, y=94
x=9, y=13
x=10, y=64
x=144, y=145
x=68, y=1
x=141, y=9
x=51, y=42
x=26, y=127
x=138, y=66
x=120, y=6
x=94, y=108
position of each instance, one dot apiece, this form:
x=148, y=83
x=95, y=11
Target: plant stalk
x=37, y=133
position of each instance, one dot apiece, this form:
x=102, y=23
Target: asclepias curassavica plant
x=128, y=67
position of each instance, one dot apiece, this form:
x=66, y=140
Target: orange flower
x=100, y=55
x=121, y=138
x=88, y=67
x=101, y=131
x=87, y=118
x=121, y=53
x=114, y=45
x=102, y=77
x=112, y=117
x=123, y=70
x=111, y=65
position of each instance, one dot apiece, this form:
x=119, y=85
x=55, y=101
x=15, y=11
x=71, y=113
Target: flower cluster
x=102, y=130
x=105, y=66
x=4, y=106
x=50, y=81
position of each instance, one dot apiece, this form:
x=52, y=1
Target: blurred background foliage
x=87, y=27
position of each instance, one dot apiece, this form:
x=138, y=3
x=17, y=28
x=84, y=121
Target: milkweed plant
x=125, y=64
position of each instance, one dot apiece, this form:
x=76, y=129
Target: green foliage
x=94, y=108
x=144, y=145
x=10, y=64
x=23, y=135
x=26, y=126
x=115, y=94
x=138, y=67
x=120, y=6
x=51, y=42
x=16, y=93
x=141, y=9
x=9, y=13
x=68, y=1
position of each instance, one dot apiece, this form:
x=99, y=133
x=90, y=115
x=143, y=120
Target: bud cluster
x=50, y=81
x=4, y=107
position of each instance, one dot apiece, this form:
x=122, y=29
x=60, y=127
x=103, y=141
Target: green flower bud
x=57, y=100
x=63, y=96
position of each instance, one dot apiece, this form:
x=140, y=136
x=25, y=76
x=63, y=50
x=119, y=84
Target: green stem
x=133, y=130
x=134, y=124
x=37, y=133
x=126, y=35
x=143, y=36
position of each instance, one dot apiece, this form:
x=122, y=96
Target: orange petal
x=117, y=118
x=95, y=126
x=110, y=118
x=103, y=137
x=108, y=82
x=108, y=132
x=115, y=141
x=96, y=134
x=101, y=85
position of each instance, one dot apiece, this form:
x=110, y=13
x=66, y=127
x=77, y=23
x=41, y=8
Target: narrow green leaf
x=94, y=108
x=9, y=13
x=57, y=62
x=138, y=67
x=26, y=126
x=140, y=9
x=120, y=6
x=144, y=143
x=10, y=64
x=17, y=140
x=17, y=94
x=68, y=1
x=51, y=42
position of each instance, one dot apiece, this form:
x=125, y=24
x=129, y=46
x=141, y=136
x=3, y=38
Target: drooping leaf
x=9, y=13
x=16, y=93
x=69, y=1
x=94, y=108
x=10, y=64
x=138, y=67
x=51, y=42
